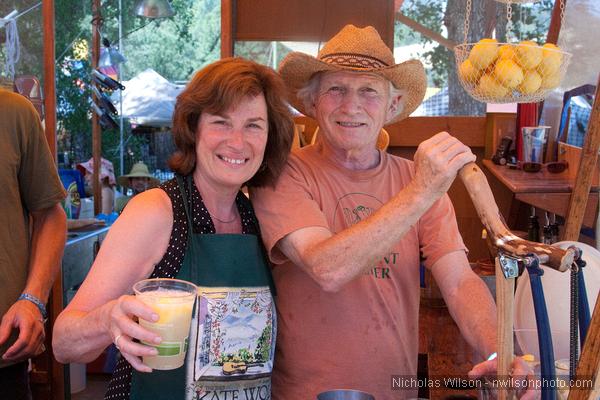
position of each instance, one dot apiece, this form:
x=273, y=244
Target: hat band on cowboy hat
x=359, y=50
x=354, y=61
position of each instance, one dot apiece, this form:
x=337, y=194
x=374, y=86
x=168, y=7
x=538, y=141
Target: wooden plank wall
x=310, y=20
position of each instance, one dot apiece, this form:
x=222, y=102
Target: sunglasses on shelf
x=555, y=167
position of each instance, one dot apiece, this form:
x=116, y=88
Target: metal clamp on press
x=511, y=266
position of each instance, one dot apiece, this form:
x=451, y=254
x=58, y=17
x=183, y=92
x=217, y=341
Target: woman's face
x=230, y=147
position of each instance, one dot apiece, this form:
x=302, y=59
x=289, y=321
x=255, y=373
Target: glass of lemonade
x=173, y=301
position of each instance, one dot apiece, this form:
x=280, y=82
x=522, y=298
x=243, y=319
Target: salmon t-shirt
x=361, y=336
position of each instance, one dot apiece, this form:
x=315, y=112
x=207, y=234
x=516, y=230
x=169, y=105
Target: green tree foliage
x=175, y=47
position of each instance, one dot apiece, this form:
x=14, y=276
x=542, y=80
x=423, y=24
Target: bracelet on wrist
x=38, y=303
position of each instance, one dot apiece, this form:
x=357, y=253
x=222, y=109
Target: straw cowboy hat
x=361, y=50
x=139, y=170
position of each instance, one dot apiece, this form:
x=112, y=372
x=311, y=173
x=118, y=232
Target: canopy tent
x=149, y=99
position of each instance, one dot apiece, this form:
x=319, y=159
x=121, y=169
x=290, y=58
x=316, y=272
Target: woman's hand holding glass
x=125, y=331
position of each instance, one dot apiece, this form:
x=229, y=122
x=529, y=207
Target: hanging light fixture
x=154, y=9
x=109, y=56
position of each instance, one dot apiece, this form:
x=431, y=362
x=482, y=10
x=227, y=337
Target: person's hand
x=124, y=329
x=522, y=377
x=438, y=160
x=27, y=319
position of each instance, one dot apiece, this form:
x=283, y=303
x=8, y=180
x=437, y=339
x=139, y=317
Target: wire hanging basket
x=523, y=72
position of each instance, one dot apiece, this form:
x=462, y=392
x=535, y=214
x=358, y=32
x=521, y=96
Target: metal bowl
x=344, y=394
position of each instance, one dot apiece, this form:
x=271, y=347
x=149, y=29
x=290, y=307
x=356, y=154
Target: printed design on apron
x=232, y=344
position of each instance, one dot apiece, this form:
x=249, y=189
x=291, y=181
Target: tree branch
x=423, y=30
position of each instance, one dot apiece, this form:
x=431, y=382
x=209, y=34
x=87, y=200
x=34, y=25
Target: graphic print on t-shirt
x=232, y=344
x=352, y=208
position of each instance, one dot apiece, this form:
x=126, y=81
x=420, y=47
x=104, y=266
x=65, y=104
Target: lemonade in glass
x=173, y=301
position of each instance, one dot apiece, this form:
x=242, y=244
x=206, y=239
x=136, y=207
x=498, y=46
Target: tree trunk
x=459, y=101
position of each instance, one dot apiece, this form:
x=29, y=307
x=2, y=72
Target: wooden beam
x=96, y=131
x=413, y=130
x=227, y=28
x=583, y=181
x=49, y=75
x=423, y=30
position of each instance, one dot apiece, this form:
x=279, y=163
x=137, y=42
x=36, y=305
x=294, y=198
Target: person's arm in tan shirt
x=49, y=230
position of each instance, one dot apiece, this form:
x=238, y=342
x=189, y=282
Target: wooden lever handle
x=501, y=237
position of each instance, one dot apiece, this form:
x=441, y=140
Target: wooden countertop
x=544, y=190
x=519, y=181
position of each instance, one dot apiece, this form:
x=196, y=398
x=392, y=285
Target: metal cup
x=344, y=394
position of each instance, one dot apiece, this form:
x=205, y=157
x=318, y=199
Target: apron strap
x=186, y=204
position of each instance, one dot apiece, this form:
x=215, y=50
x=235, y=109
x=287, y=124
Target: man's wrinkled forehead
x=329, y=76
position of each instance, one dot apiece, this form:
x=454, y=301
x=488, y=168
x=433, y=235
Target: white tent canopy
x=149, y=99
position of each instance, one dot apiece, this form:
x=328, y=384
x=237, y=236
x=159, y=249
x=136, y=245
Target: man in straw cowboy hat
x=138, y=180
x=346, y=223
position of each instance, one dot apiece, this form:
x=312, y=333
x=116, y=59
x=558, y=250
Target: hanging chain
x=509, y=23
x=573, y=320
x=562, y=13
x=467, y=17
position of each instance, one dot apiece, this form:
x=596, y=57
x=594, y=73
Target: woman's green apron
x=232, y=337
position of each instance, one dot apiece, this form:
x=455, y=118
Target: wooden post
x=227, y=27
x=589, y=363
x=49, y=75
x=55, y=371
x=583, y=181
x=96, y=131
x=505, y=289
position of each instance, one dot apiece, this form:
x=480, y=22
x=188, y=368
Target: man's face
x=139, y=184
x=351, y=108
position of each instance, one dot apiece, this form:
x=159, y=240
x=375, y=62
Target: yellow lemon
x=529, y=54
x=484, y=53
x=507, y=52
x=551, y=81
x=531, y=82
x=468, y=73
x=551, y=61
x=552, y=50
x=488, y=87
x=508, y=73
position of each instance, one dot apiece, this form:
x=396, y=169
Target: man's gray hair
x=310, y=91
